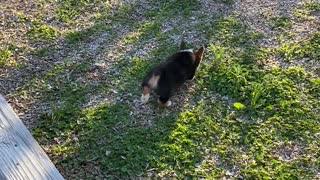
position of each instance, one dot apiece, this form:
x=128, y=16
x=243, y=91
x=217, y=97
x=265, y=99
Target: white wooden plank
x=21, y=157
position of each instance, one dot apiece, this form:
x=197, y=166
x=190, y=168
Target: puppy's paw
x=168, y=103
x=145, y=98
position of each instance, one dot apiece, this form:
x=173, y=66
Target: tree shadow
x=114, y=137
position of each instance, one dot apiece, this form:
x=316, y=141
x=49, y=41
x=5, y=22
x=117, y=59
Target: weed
x=22, y=17
x=257, y=92
x=239, y=106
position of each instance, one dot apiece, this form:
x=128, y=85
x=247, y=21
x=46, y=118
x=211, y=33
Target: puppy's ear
x=199, y=54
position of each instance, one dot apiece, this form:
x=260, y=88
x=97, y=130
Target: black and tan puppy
x=166, y=77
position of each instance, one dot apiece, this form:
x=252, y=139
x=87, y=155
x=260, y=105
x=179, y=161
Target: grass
x=307, y=48
x=281, y=22
x=68, y=10
x=5, y=55
x=74, y=37
x=240, y=119
x=43, y=52
x=43, y=33
x=307, y=10
x=209, y=136
x=22, y=17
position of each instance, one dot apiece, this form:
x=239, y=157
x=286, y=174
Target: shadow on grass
x=114, y=139
x=107, y=128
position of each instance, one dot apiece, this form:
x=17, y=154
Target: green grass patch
x=307, y=10
x=22, y=17
x=312, y=6
x=69, y=10
x=209, y=141
x=43, y=33
x=308, y=48
x=281, y=106
x=123, y=15
x=230, y=31
x=5, y=55
x=233, y=39
x=281, y=22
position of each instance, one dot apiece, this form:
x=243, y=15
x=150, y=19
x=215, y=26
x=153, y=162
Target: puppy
x=166, y=77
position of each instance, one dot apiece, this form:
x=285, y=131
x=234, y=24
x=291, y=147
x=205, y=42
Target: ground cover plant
x=72, y=71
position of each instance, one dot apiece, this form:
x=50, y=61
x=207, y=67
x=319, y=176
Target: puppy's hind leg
x=164, y=97
x=146, y=94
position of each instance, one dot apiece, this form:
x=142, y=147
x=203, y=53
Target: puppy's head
x=196, y=56
x=194, y=60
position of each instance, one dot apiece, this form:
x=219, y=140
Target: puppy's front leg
x=146, y=94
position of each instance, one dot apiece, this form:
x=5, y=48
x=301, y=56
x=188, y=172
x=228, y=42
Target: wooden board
x=21, y=157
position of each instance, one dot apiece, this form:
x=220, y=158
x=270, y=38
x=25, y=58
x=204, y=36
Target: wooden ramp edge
x=21, y=157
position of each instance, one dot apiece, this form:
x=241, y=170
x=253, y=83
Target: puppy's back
x=167, y=76
x=178, y=67
x=175, y=70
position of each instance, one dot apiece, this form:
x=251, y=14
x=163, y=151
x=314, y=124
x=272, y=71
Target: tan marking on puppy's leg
x=153, y=82
x=146, y=94
x=167, y=104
